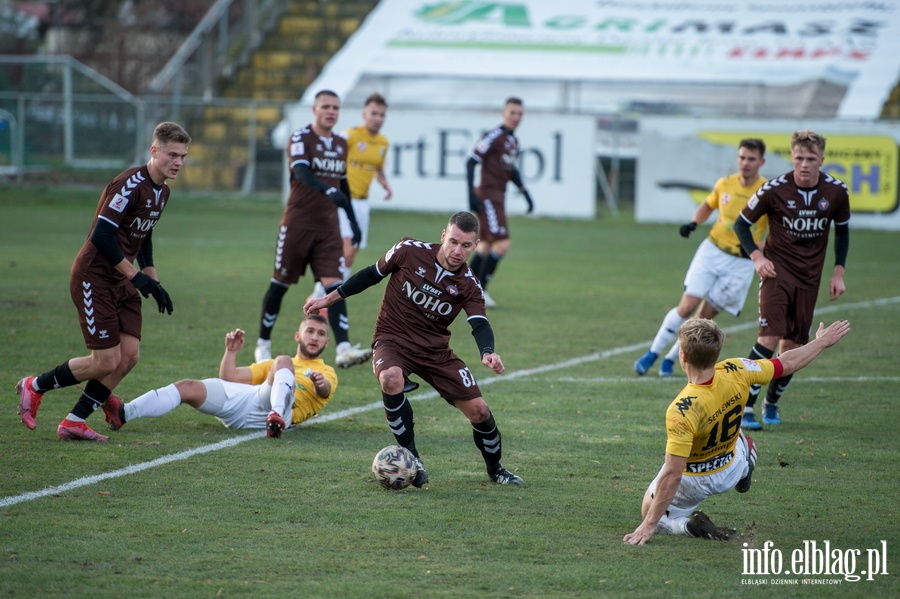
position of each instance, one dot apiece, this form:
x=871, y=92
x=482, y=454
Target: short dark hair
x=513, y=100
x=316, y=318
x=376, y=98
x=755, y=144
x=168, y=132
x=326, y=92
x=465, y=221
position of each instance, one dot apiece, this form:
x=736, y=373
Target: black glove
x=147, y=286
x=474, y=202
x=338, y=197
x=357, y=233
x=529, y=200
x=687, y=229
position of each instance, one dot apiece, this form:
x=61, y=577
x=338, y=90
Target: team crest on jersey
x=119, y=202
x=791, y=205
x=361, y=147
x=452, y=290
x=823, y=204
x=420, y=271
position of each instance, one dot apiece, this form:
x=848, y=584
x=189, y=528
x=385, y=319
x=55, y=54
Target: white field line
x=518, y=374
x=659, y=379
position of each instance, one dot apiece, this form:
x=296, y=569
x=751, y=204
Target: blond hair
x=701, y=341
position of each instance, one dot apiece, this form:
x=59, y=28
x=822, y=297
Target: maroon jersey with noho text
x=326, y=157
x=133, y=203
x=799, y=222
x=422, y=298
x=498, y=153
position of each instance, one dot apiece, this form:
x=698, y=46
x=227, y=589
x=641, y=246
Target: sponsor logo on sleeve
x=751, y=365
x=119, y=203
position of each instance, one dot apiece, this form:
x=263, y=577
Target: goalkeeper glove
x=474, y=202
x=687, y=229
x=529, y=200
x=338, y=197
x=357, y=234
x=147, y=286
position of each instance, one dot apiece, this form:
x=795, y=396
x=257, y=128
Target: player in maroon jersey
x=310, y=234
x=498, y=153
x=801, y=206
x=428, y=286
x=104, y=285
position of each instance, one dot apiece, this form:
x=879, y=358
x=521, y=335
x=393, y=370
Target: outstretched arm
x=357, y=283
x=799, y=357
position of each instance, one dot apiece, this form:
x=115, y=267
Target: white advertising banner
x=855, y=46
x=681, y=159
x=426, y=163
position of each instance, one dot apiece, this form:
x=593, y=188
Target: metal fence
x=66, y=116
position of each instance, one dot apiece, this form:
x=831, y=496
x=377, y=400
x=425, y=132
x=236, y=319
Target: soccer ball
x=394, y=467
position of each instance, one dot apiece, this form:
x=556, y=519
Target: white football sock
x=667, y=331
x=673, y=526
x=153, y=403
x=673, y=353
x=282, y=395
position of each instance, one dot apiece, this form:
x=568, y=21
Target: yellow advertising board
x=868, y=164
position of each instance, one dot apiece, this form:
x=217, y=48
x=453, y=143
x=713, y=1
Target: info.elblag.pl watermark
x=816, y=562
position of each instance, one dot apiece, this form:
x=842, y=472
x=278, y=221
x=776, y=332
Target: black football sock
x=94, y=395
x=271, y=308
x=477, y=264
x=777, y=388
x=487, y=440
x=759, y=352
x=400, y=418
x=337, y=317
x=59, y=377
x=490, y=266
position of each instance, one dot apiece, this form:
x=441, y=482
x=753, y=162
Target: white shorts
x=237, y=405
x=695, y=488
x=722, y=279
x=361, y=209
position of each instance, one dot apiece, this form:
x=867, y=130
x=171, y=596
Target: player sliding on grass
x=428, y=286
x=706, y=452
x=266, y=394
x=104, y=286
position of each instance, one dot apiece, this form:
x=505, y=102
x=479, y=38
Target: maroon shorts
x=492, y=224
x=296, y=249
x=105, y=313
x=444, y=371
x=786, y=310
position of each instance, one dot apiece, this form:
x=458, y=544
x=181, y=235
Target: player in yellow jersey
x=720, y=272
x=272, y=394
x=366, y=153
x=706, y=452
